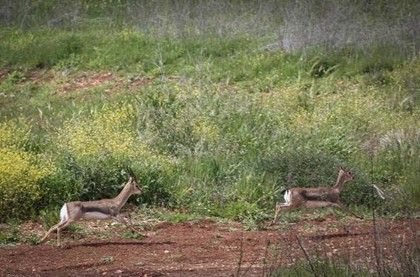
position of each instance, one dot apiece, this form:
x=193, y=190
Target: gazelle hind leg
x=276, y=213
x=52, y=229
x=282, y=207
x=59, y=228
x=64, y=218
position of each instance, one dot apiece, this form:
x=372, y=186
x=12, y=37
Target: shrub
x=21, y=171
x=14, y=134
x=399, y=155
x=211, y=123
x=20, y=185
x=42, y=48
x=97, y=150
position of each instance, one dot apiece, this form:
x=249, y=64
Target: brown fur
x=106, y=207
x=315, y=197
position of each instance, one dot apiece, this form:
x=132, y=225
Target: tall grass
x=220, y=125
x=220, y=150
x=175, y=18
x=389, y=256
x=356, y=24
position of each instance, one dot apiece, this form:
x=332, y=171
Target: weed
x=131, y=235
x=222, y=126
x=107, y=259
x=32, y=239
x=10, y=236
x=176, y=217
x=49, y=217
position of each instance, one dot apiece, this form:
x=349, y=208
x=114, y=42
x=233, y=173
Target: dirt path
x=207, y=248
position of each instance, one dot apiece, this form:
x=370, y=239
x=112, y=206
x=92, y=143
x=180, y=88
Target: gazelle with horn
x=99, y=209
x=314, y=197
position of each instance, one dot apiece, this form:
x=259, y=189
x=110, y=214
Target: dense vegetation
x=212, y=116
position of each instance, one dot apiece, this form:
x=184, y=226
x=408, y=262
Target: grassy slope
x=214, y=124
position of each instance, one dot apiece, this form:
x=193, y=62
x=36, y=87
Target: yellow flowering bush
x=20, y=183
x=21, y=171
x=13, y=134
x=107, y=132
x=96, y=150
x=205, y=130
x=102, y=133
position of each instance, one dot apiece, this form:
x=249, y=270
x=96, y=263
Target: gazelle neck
x=340, y=181
x=123, y=196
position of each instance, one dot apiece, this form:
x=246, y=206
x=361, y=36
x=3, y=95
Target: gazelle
x=99, y=209
x=314, y=197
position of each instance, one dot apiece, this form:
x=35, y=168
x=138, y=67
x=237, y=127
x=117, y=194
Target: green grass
x=405, y=264
x=208, y=58
x=176, y=217
x=124, y=49
x=10, y=236
x=212, y=124
x=218, y=128
x=319, y=268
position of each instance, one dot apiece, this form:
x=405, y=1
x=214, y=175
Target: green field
x=216, y=106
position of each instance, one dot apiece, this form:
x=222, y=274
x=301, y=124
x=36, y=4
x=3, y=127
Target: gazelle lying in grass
x=99, y=209
x=314, y=197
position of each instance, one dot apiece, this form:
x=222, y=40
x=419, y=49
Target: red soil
x=207, y=248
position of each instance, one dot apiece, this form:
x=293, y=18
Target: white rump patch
x=64, y=214
x=96, y=215
x=288, y=197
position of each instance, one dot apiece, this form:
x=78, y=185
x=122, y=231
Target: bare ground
x=209, y=248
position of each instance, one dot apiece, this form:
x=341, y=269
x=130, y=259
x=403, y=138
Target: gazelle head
x=345, y=175
x=133, y=185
